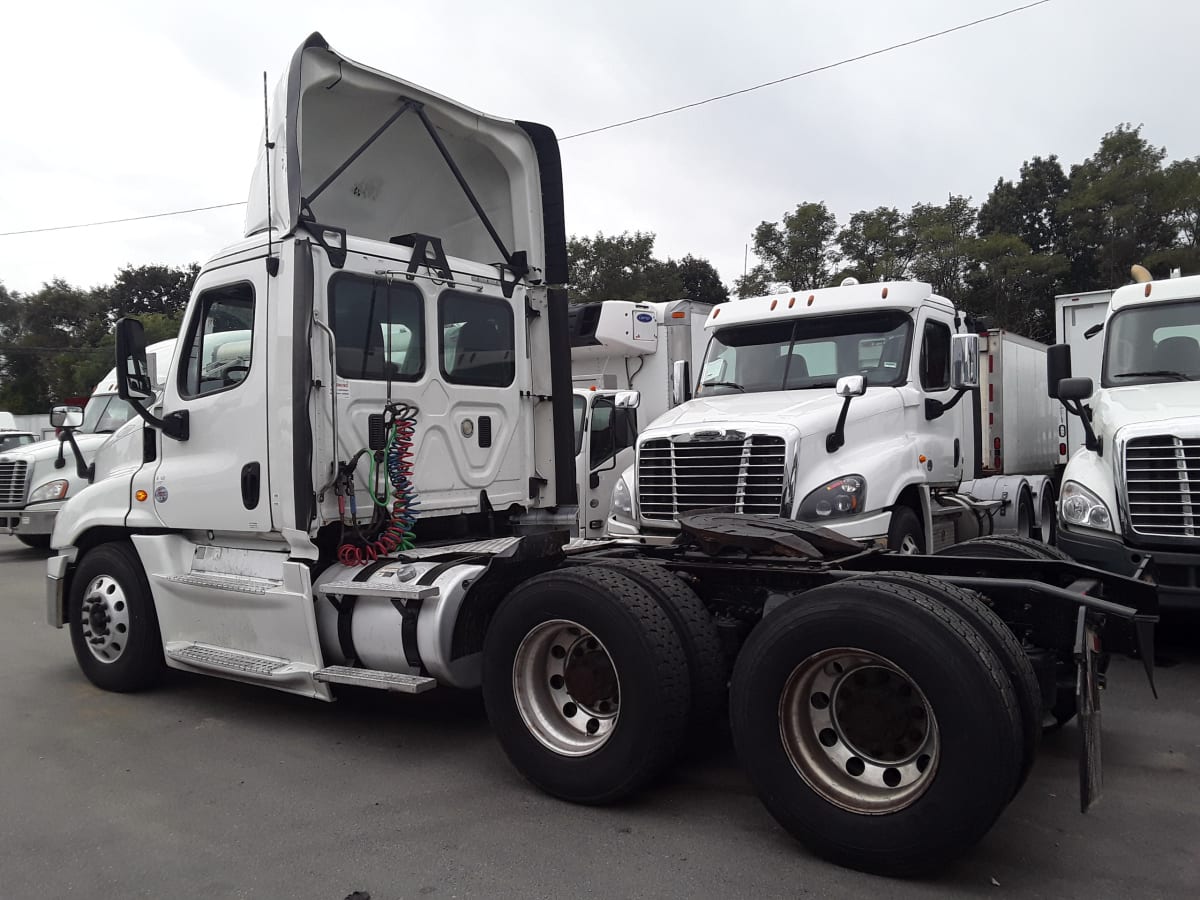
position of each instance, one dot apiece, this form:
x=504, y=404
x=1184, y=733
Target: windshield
x=1154, y=343
x=807, y=353
x=13, y=441
x=104, y=414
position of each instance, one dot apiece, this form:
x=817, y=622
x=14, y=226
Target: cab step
x=239, y=584
x=221, y=659
x=374, y=678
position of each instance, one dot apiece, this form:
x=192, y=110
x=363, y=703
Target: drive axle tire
x=876, y=725
x=111, y=618
x=585, y=682
x=36, y=541
x=697, y=632
x=975, y=608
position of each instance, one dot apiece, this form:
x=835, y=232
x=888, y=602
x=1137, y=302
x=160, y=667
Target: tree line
x=1051, y=230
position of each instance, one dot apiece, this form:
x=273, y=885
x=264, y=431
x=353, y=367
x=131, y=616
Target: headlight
x=1079, y=506
x=51, y=490
x=845, y=496
x=621, y=506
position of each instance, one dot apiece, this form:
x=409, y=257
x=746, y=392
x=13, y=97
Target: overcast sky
x=126, y=108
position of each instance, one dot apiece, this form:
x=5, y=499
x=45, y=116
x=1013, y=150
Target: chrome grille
x=744, y=475
x=12, y=482
x=1162, y=485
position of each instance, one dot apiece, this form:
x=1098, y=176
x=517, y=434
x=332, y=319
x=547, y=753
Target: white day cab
x=38, y=477
x=619, y=346
x=361, y=474
x=873, y=409
x=1131, y=488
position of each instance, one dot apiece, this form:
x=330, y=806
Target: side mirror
x=1075, y=388
x=964, y=362
x=1058, y=367
x=66, y=417
x=628, y=399
x=133, y=372
x=851, y=386
x=681, y=382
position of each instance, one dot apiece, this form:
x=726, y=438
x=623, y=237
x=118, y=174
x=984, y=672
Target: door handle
x=250, y=485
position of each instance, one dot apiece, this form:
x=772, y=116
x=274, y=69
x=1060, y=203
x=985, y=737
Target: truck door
x=216, y=479
x=609, y=435
x=943, y=441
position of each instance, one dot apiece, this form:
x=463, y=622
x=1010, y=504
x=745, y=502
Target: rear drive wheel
x=585, y=683
x=707, y=671
x=111, y=617
x=905, y=534
x=976, y=610
x=876, y=725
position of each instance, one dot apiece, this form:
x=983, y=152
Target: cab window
x=220, y=341
x=379, y=328
x=935, y=357
x=478, y=344
x=611, y=430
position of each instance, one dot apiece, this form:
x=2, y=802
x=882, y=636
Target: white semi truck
x=618, y=346
x=308, y=511
x=37, y=478
x=1131, y=488
x=905, y=454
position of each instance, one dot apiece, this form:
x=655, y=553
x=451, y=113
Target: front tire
x=585, y=684
x=111, y=617
x=907, y=769
x=905, y=534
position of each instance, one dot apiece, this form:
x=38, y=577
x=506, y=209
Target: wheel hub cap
x=105, y=618
x=859, y=731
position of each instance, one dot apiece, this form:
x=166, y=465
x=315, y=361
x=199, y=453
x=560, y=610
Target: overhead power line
x=654, y=115
x=825, y=68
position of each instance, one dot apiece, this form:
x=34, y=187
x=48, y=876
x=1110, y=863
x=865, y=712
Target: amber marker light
x=141, y=496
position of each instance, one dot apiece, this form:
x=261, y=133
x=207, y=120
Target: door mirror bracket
x=135, y=381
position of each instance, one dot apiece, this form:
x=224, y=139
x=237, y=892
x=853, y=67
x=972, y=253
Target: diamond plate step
x=217, y=659
x=241, y=584
x=382, y=584
x=373, y=678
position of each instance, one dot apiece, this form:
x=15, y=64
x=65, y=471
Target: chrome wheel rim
x=566, y=688
x=104, y=617
x=859, y=731
x=908, y=545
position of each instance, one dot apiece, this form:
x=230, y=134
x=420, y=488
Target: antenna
x=272, y=260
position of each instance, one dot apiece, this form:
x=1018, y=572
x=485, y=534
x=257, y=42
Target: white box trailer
x=1074, y=314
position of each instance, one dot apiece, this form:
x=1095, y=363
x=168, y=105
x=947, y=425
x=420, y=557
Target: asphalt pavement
x=210, y=789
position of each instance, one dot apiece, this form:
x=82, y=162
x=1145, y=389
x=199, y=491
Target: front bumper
x=1176, y=574
x=37, y=519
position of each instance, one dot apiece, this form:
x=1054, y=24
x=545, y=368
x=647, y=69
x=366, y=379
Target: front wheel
x=876, y=725
x=905, y=534
x=586, y=684
x=111, y=617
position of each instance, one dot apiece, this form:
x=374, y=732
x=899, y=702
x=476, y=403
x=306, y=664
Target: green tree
x=1029, y=208
x=1117, y=210
x=1182, y=187
x=944, y=237
x=877, y=245
x=138, y=290
x=623, y=267
x=700, y=280
x=1013, y=286
x=798, y=252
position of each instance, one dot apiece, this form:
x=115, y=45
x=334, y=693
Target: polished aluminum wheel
x=104, y=615
x=859, y=731
x=566, y=688
x=909, y=546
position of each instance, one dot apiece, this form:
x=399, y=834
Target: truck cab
x=1127, y=492
x=838, y=406
x=34, y=484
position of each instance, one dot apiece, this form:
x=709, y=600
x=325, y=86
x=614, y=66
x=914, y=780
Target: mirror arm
x=82, y=469
x=837, y=438
x=1090, y=441
x=174, y=425
x=935, y=409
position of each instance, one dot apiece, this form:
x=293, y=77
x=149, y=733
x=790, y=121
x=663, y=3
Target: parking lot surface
x=208, y=788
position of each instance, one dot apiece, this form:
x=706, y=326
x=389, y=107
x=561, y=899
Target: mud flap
x=1087, y=702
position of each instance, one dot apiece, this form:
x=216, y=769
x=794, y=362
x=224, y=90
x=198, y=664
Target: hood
x=44, y=450
x=327, y=107
x=807, y=412
x=1171, y=404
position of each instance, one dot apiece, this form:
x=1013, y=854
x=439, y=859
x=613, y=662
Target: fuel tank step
x=373, y=678
x=219, y=659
